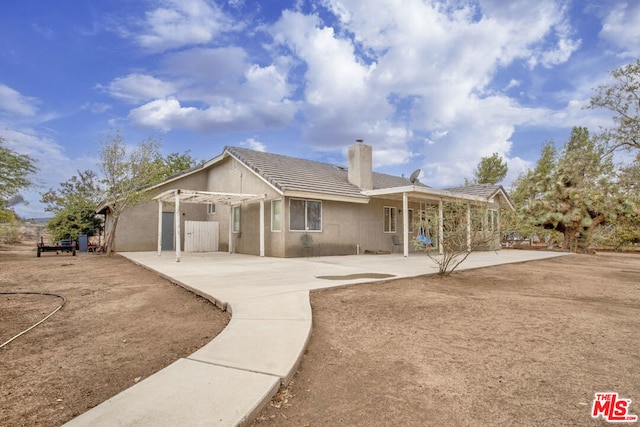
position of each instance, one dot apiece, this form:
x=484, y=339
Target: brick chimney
x=361, y=165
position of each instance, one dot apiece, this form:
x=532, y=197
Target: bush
x=10, y=233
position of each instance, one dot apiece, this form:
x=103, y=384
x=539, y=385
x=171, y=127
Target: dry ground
x=525, y=345
x=120, y=324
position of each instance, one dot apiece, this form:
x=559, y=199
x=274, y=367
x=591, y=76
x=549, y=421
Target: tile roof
x=482, y=190
x=294, y=174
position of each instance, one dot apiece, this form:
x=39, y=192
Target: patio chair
x=395, y=239
x=308, y=245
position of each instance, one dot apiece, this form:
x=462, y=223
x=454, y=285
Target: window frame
x=235, y=219
x=277, y=202
x=306, y=216
x=211, y=208
x=391, y=224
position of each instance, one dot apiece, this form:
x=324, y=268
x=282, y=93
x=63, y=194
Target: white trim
x=233, y=222
x=192, y=196
x=281, y=215
x=405, y=223
x=415, y=190
x=309, y=195
x=395, y=219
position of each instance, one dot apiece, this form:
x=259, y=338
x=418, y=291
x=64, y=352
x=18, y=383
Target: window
x=211, y=208
x=235, y=218
x=389, y=219
x=276, y=215
x=411, y=228
x=305, y=215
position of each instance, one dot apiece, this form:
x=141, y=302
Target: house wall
x=231, y=176
x=137, y=228
x=347, y=228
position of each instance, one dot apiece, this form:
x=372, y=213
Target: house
x=252, y=202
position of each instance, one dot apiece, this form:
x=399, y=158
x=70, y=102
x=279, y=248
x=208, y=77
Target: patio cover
x=426, y=193
x=204, y=197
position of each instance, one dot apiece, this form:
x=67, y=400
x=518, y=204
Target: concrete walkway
x=229, y=380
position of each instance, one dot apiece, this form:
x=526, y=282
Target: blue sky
x=431, y=85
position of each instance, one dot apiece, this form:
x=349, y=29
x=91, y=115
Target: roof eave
x=325, y=196
x=426, y=191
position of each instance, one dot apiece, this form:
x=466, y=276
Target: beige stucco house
x=252, y=202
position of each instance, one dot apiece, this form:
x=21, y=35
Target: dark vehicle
x=68, y=246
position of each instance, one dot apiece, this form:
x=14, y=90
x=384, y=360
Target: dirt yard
x=120, y=324
x=527, y=345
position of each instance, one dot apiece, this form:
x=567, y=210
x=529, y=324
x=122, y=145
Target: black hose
x=64, y=301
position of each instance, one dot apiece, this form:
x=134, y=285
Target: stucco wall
x=232, y=176
x=137, y=228
x=348, y=228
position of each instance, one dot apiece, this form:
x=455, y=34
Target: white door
x=201, y=236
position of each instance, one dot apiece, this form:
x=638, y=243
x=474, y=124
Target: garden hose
x=64, y=301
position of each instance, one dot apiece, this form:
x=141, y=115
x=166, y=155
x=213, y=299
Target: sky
x=430, y=85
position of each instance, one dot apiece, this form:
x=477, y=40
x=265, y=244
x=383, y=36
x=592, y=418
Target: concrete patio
x=229, y=380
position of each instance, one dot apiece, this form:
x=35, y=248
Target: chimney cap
x=360, y=141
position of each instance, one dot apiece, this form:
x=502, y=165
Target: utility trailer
x=63, y=246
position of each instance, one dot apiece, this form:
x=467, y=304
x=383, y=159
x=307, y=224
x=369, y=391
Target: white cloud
x=13, y=102
x=167, y=114
x=389, y=74
x=179, y=23
x=135, y=88
x=254, y=145
x=96, y=107
x=206, y=63
x=621, y=27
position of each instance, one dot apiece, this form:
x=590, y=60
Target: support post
x=405, y=223
x=262, y=226
x=440, y=227
x=176, y=219
x=159, y=227
x=468, y=227
x=230, y=229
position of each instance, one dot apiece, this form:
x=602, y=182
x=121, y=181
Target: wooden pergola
x=204, y=197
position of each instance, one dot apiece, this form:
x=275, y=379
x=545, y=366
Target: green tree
x=174, y=163
x=73, y=205
x=15, y=175
x=575, y=192
x=622, y=97
x=626, y=229
x=527, y=187
x=491, y=170
x=127, y=173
